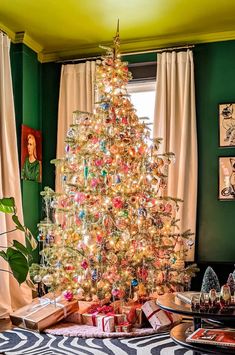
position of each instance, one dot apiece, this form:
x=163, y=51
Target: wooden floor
x=5, y=324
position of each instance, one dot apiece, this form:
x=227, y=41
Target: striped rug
x=20, y=341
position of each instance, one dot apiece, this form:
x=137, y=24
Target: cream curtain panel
x=175, y=122
x=77, y=92
x=12, y=296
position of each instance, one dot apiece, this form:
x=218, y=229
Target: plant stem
x=13, y=230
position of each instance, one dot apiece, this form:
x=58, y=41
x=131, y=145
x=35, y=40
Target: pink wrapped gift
x=105, y=323
x=157, y=317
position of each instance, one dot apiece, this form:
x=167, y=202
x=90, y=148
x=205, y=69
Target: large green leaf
x=18, y=264
x=17, y=222
x=7, y=205
x=20, y=247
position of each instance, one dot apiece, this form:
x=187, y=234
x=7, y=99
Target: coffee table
x=171, y=303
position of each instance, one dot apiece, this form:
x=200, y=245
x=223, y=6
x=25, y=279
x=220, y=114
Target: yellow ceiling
x=74, y=28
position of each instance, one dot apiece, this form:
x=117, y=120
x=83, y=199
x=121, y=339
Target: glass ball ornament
x=47, y=280
x=37, y=278
x=68, y=295
x=134, y=282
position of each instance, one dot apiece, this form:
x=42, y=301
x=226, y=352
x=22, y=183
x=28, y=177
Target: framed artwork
x=227, y=178
x=31, y=154
x=227, y=125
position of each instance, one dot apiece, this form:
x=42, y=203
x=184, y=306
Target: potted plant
x=17, y=255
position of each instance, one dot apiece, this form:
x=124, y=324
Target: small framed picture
x=227, y=178
x=31, y=154
x=227, y=125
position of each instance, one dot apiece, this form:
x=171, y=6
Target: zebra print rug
x=20, y=341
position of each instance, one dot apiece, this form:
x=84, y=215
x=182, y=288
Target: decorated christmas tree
x=114, y=232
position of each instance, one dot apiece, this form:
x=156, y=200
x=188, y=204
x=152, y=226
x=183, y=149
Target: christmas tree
x=210, y=281
x=114, y=233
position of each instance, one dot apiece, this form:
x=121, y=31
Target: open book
x=221, y=337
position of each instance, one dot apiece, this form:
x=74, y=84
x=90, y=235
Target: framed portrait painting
x=227, y=125
x=31, y=154
x=227, y=178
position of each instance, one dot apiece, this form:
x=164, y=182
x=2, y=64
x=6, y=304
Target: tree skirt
x=87, y=331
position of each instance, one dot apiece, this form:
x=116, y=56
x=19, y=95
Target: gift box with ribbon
x=94, y=311
x=133, y=314
x=123, y=327
x=43, y=312
x=105, y=323
x=157, y=317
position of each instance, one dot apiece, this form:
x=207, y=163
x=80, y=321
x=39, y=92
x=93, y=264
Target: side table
x=171, y=303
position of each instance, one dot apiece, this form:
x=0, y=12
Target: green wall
x=36, y=90
x=26, y=75
x=215, y=83
x=50, y=97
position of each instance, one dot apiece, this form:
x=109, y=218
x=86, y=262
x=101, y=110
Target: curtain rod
x=3, y=32
x=130, y=53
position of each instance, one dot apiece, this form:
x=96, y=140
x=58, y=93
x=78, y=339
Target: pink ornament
x=117, y=202
x=124, y=120
x=68, y=295
x=79, y=197
x=168, y=208
x=84, y=264
x=94, y=182
x=124, y=168
x=115, y=292
x=94, y=140
x=99, y=162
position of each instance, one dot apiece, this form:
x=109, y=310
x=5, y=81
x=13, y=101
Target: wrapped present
x=75, y=317
x=123, y=327
x=90, y=316
x=105, y=323
x=43, y=312
x=157, y=317
x=133, y=314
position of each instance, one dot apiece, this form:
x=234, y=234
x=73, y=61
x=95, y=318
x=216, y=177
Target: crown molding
x=139, y=44
x=9, y=32
x=23, y=37
x=127, y=46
